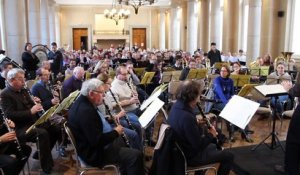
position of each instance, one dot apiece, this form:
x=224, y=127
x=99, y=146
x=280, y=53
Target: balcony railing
x=111, y=32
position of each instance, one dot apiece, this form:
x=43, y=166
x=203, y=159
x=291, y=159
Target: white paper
x=150, y=112
x=150, y=100
x=239, y=111
x=271, y=89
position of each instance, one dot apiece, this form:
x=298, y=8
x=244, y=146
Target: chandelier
x=116, y=13
x=136, y=4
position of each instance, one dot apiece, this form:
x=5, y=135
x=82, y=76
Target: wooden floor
x=262, y=129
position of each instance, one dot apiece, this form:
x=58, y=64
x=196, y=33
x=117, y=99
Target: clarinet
x=20, y=153
x=126, y=117
x=209, y=125
x=131, y=89
x=123, y=135
x=40, y=113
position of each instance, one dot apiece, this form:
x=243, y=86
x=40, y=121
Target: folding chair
x=80, y=166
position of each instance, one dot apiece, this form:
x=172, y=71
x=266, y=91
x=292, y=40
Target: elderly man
x=73, y=83
x=125, y=94
x=96, y=141
x=23, y=110
x=4, y=69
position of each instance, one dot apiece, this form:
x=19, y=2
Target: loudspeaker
x=280, y=14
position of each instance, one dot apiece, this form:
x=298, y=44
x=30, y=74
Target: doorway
x=139, y=37
x=80, y=38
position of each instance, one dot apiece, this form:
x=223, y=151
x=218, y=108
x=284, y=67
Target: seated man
x=8, y=147
x=96, y=142
x=122, y=93
x=199, y=148
x=73, y=83
x=4, y=69
x=23, y=110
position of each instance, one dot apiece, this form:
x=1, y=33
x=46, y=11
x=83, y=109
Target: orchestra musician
x=73, y=83
x=8, y=163
x=126, y=97
x=199, y=148
x=18, y=105
x=134, y=140
x=30, y=61
x=186, y=70
x=5, y=67
x=96, y=141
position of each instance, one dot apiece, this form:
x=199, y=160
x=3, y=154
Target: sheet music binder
x=240, y=80
x=166, y=77
x=176, y=75
x=271, y=90
x=149, y=114
x=218, y=65
x=147, y=78
x=273, y=79
x=43, y=118
x=197, y=74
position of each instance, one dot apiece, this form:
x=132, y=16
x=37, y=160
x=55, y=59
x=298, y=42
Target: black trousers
x=47, y=135
x=13, y=165
x=130, y=160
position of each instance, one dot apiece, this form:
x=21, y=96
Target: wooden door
x=80, y=38
x=139, y=37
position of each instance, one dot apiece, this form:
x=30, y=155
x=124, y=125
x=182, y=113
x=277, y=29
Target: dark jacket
x=39, y=90
x=167, y=160
x=214, y=56
x=188, y=134
x=16, y=105
x=184, y=73
x=70, y=85
x=87, y=127
x=30, y=61
x=57, y=58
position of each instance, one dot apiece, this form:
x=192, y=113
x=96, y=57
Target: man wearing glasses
x=22, y=109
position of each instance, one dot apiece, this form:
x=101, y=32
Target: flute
x=119, y=105
x=20, y=153
x=123, y=135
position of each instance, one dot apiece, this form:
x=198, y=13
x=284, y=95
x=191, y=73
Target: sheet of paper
x=239, y=111
x=150, y=99
x=271, y=89
x=150, y=112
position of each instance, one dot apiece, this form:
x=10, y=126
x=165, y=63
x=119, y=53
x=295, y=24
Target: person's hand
x=287, y=85
x=10, y=123
x=134, y=100
x=213, y=131
x=7, y=137
x=36, y=99
x=55, y=101
x=119, y=129
x=121, y=114
x=36, y=108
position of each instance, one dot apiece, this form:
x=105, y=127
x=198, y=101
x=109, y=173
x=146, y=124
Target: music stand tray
x=147, y=78
x=271, y=91
x=166, y=77
x=264, y=70
x=192, y=74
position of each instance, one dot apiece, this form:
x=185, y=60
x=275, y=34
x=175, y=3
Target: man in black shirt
x=214, y=54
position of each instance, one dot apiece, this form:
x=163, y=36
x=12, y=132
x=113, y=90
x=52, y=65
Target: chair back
x=72, y=140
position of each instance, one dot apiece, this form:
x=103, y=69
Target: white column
x=215, y=22
x=44, y=18
x=57, y=24
x=203, y=25
x=14, y=22
x=34, y=33
x=174, y=29
x=162, y=29
x=254, y=24
x=52, y=20
x=192, y=25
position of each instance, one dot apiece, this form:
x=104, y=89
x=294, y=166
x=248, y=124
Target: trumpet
x=119, y=105
x=20, y=153
x=123, y=135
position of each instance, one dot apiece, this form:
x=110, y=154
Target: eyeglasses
x=99, y=92
x=20, y=78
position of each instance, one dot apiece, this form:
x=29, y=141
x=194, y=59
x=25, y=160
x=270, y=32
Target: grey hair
x=90, y=85
x=13, y=73
x=77, y=69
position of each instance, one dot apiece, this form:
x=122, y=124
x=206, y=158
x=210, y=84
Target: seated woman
x=275, y=78
x=224, y=90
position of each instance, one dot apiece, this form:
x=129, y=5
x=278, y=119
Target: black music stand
x=277, y=90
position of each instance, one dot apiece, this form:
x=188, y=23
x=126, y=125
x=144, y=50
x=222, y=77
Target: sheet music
x=271, y=89
x=150, y=99
x=239, y=111
x=150, y=112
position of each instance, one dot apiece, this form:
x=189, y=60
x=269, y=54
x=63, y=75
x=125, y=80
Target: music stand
x=271, y=91
x=176, y=75
x=246, y=89
x=264, y=70
x=166, y=77
x=255, y=71
x=147, y=78
x=201, y=73
x=192, y=74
